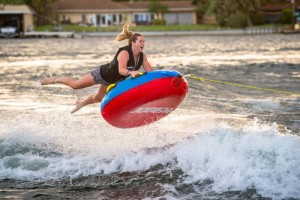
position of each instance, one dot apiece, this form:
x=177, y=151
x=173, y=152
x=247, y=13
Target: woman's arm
x=123, y=58
x=146, y=65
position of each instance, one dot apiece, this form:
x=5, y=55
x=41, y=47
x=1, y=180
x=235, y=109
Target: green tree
x=227, y=12
x=12, y=2
x=245, y=8
x=202, y=7
x=45, y=11
x=158, y=9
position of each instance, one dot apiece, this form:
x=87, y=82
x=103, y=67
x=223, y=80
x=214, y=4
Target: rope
x=241, y=85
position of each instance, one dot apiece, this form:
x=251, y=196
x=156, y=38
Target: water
x=223, y=142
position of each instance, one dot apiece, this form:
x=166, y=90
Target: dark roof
x=179, y=4
x=169, y=4
x=278, y=6
x=111, y=5
x=89, y=5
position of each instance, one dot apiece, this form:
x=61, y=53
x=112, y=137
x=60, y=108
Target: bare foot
x=77, y=106
x=48, y=80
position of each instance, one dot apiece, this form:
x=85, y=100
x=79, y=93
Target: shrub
x=286, y=16
x=221, y=20
x=159, y=22
x=238, y=20
x=257, y=19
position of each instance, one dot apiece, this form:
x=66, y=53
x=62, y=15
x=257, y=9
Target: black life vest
x=110, y=71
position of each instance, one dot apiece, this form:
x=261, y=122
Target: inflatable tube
x=144, y=99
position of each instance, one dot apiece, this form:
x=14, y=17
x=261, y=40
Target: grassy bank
x=78, y=28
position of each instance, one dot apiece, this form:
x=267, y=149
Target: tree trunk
x=249, y=21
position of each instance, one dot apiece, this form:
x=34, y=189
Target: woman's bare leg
x=83, y=82
x=92, y=98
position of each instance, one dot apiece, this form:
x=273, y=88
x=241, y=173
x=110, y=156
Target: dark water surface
x=225, y=141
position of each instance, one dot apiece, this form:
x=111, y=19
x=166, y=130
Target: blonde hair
x=127, y=34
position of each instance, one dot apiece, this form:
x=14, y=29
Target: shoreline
x=218, y=32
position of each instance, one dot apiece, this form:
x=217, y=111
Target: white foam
x=256, y=155
x=264, y=104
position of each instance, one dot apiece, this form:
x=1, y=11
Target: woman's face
x=139, y=44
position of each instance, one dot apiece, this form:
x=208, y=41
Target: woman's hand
x=133, y=73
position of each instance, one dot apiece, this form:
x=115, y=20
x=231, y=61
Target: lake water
x=231, y=138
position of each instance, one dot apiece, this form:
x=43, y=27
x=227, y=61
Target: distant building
x=272, y=12
x=15, y=20
x=108, y=12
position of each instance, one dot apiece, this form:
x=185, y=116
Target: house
x=15, y=20
x=179, y=12
x=272, y=12
x=108, y=12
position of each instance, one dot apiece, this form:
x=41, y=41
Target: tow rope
x=241, y=85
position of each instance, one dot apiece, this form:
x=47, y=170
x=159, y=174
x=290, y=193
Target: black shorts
x=98, y=78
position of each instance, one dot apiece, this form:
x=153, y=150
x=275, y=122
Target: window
x=142, y=18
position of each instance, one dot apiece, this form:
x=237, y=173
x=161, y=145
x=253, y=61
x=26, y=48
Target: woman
x=126, y=62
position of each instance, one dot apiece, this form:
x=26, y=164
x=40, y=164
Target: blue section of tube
x=131, y=82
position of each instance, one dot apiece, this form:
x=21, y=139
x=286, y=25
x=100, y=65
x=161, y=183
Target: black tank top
x=110, y=71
